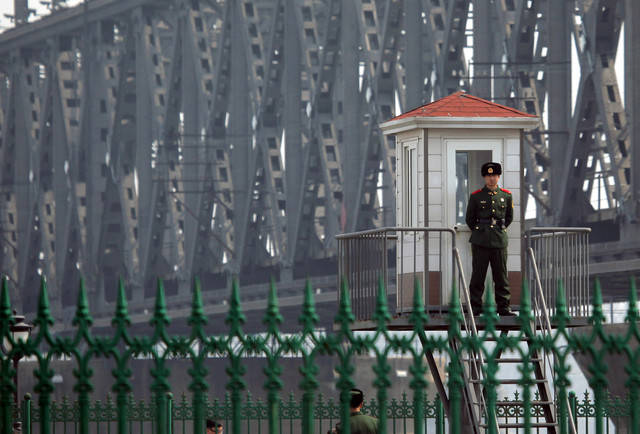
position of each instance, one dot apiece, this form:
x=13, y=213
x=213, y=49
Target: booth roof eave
x=396, y=126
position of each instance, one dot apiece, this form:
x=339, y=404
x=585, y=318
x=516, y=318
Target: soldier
x=359, y=423
x=489, y=213
x=213, y=427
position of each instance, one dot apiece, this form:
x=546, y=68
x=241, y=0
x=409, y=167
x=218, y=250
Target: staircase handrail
x=476, y=361
x=545, y=325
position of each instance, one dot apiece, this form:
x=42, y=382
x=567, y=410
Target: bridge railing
x=560, y=254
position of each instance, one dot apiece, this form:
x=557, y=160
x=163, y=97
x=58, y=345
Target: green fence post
x=82, y=321
x=161, y=413
x=198, y=372
x=169, y=413
x=273, y=383
x=344, y=341
x=525, y=319
x=309, y=384
x=382, y=368
x=573, y=404
x=7, y=396
x=456, y=381
x=235, y=319
x=633, y=382
x=491, y=365
x=439, y=416
x=26, y=414
x=418, y=319
x=635, y=407
x=160, y=372
x=560, y=365
x=121, y=373
x=598, y=368
x=44, y=373
x=7, y=372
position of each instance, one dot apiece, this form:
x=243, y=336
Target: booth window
x=468, y=178
x=410, y=187
x=462, y=185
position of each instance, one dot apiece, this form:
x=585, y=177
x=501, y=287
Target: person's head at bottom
x=359, y=423
x=357, y=400
x=213, y=427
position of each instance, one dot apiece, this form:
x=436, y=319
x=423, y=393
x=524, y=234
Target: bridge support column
x=483, y=47
x=352, y=146
x=242, y=170
x=559, y=90
x=21, y=11
x=632, y=92
x=415, y=51
x=294, y=154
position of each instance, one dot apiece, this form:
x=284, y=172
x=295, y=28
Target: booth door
x=464, y=160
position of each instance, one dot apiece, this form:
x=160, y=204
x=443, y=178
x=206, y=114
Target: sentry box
x=440, y=148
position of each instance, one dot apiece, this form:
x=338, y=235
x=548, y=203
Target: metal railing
x=121, y=344
x=141, y=418
x=561, y=254
x=542, y=322
x=142, y=414
x=364, y=257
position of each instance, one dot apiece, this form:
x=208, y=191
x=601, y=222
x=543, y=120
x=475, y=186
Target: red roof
x=463, y=105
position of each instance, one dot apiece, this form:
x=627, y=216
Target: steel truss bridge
x=173, y=138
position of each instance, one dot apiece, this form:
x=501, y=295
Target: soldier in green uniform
x=489, y=213
x=213, y=427
x=359, y=423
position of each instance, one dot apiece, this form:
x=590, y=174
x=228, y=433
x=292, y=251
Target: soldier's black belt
x=495, y=222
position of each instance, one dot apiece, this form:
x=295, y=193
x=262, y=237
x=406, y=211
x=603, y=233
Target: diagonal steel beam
x=378, y=105
x=599, y=120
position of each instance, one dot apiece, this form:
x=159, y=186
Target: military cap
x=357, y=397
x=491, y=169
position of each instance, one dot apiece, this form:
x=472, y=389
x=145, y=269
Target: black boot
x=506, y=311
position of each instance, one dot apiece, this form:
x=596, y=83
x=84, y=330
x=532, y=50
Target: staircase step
x=511, y=381
x=521, y=425
x=517, y=403
x=494, y=339
x=521, y=403
x=507, y=360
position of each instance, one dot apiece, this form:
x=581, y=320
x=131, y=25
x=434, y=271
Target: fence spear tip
x=308, y=318
x=82, y=308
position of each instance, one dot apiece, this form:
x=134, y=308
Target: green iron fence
x=103, y=415
x=343, y=345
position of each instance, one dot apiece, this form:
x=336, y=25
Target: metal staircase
x=553, y=254
x=475, y=367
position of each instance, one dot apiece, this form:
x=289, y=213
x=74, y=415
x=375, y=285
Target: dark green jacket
x=488, y=215
x=361, y=424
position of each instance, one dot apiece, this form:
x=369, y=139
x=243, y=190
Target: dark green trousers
x=482, y=257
